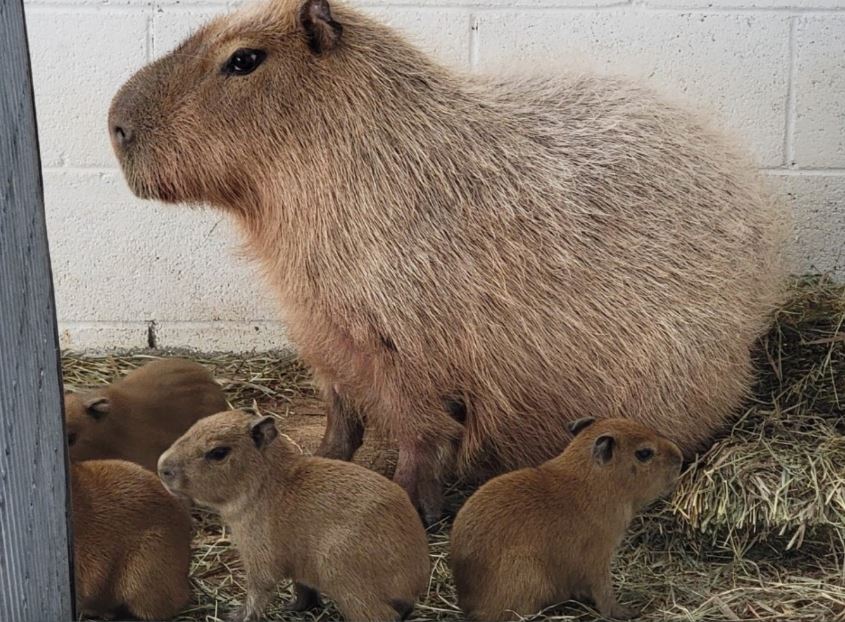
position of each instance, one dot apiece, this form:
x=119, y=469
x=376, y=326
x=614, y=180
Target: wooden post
x=35, y=568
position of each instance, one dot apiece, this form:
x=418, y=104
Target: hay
x=756, y=530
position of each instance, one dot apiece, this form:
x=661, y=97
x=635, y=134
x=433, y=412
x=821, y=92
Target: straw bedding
x=755, y=531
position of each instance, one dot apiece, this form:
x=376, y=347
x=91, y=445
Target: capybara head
x=633, y=458
x=218, y=458
x=204, y=122
x=83, y=414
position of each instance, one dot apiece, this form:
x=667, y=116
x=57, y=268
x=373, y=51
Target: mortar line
x=62, y=6
x=804, y=172
x=789, y=128
x=474, y=41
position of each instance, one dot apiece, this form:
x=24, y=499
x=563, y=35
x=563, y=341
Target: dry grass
x=756, y=530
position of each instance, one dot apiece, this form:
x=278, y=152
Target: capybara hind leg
x=344, y=429
x=605, y=599
x=304, y=598
x=156, y=595
x=159, y=603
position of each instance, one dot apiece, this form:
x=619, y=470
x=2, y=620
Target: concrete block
x=223, y=336
x=443, y=33
x=79, y=60
x=119, y=259
x=735, y=65
x=92, y=337
x=820, y=92
x=172, y=25
x=745, y=4
x=817, y=202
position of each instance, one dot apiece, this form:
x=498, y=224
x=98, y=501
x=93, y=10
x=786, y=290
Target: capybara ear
x=263, y=432
x=322, y=31
x=603, y=448
x=579, y=424
x=98, y=407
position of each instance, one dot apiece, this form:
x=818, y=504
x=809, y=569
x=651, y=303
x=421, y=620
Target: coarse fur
x=131, y=543
x=140, y=415
x=331, y=526
x=540, y=536
x=517, y=252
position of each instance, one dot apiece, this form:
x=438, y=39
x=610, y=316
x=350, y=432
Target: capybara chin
x=466, y=263
x=540, y=536
x=331, y=526
x=131, y=543
x=137, y=417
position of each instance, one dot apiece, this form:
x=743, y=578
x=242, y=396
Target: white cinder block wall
x=131, y=274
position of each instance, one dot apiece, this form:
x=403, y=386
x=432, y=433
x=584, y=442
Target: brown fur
x=131, y=542
x=540, y=536
x=331, y=526
x=140, y=415
x=533, y=249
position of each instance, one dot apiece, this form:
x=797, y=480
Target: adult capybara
x=541, y=536
x=131, y=543
x=466, y=263
x=137, y=417
x=332, y=527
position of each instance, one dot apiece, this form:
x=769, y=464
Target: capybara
x=131, y=543
x=140, y=415
x=467, y=263
x=331, y=526
x=543, y=535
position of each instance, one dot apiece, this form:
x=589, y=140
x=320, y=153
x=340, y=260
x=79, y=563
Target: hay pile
x=756, y=530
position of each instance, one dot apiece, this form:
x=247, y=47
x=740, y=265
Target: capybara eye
x=71, y=439
x=218, y=453
x=243, y=62
x=644, y=455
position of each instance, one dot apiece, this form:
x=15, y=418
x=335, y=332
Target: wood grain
x=35, y=575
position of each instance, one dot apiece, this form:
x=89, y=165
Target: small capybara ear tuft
x=98, y=407
x=579, y=424
x=603, y=448
x=322, y=31
x=263, y=432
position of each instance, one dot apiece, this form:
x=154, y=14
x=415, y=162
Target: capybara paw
x=430, y=518
x=430, y=508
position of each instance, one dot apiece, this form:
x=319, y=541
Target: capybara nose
x=166, y=472
x=122, y=135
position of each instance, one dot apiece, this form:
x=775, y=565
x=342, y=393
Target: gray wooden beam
x=35, y=569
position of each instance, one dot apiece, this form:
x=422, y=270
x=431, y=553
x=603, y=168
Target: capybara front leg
x=344, y=429
x=260, y=589
x=418, y=471
x=305, y=598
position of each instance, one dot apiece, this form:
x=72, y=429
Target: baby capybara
x=140, y=415
x=131, y=543
x=540, y=536
x=466, y=263
x=331, y=526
